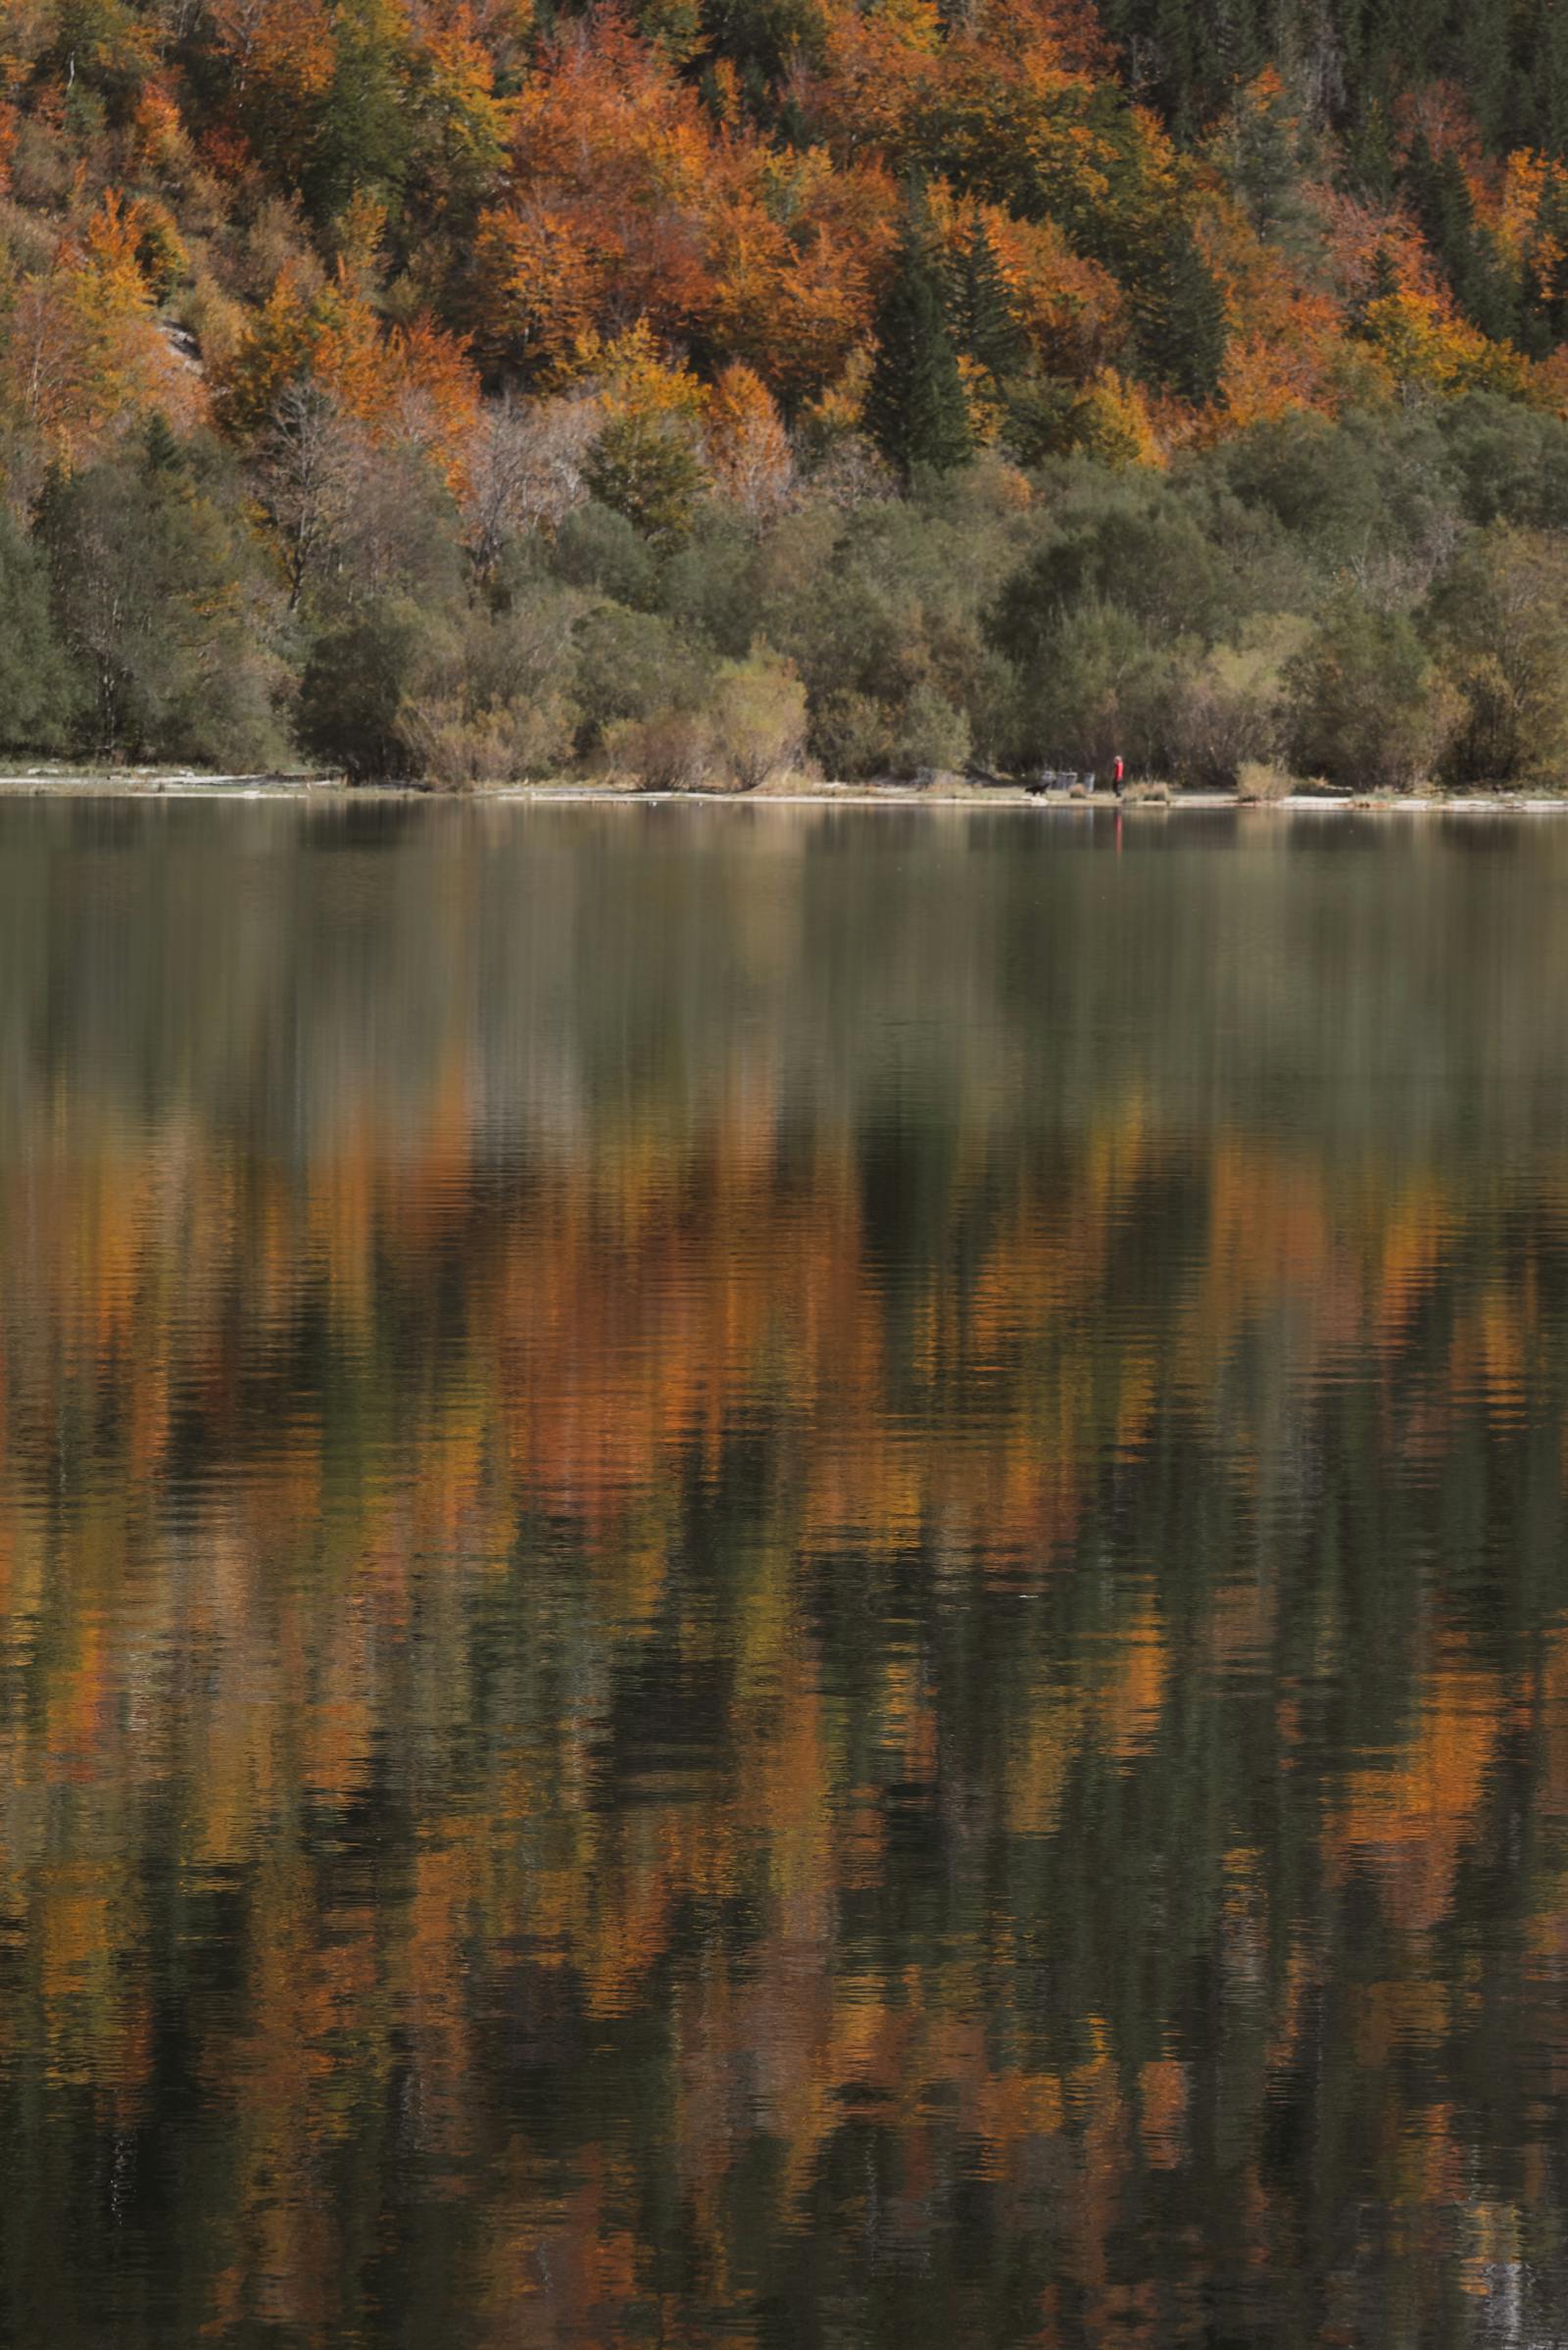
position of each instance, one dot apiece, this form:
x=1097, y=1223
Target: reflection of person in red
x=1119, y=773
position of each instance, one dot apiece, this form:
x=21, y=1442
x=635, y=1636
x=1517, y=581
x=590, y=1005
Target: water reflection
x=780, y=1579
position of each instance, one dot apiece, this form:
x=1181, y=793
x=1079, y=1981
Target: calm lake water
x=781, y=1577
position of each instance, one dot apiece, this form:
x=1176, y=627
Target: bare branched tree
x=312, y=459
x=525, y=471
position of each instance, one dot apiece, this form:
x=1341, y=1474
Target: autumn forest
x=714, y=390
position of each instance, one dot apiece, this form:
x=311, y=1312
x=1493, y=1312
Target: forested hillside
x=472, y=389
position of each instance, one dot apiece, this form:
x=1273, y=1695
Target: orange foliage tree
x=413, y=385
x=83, y=355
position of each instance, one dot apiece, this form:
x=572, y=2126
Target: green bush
x=1114, y=543
x=38, y=699
x=1367, y=707
x=1104, y=687
x=1228, y=712
x=930, y=733
x=852, y=736
x=708, y=588
x=649, y=469
x=497, y=704
x=758, y=713
x=169, y=621
x=361, y=680
x=1499, y=621
x=1508, y=464
x=598, y=550
x=669, y=752
x=634, y=665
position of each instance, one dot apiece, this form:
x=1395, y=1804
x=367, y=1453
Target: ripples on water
x=781, y=1578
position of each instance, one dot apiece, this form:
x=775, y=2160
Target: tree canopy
x=430, y=299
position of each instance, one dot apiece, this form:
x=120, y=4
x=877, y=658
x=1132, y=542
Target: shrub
x=1323, y=486
x=164, y=607
x=758, y=720
x=1510, y=464
x=931, y=733
x=1228, y=712
x=649, y=468
x=449, y=745
x=1499, y=620
x=360, y=680
x=634, y=665
x=1101, y=687
x=1117, y=542
x=495, y=701
x=598, y=549
x=852, y=736
x=1260, y=781
x=37, y=702
x=669, y=752
x=1366, y=704
x=706, y=587
x=751, y=725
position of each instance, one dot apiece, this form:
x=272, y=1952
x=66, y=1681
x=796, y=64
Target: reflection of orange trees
x=248, y=1526
x=1410, y=1821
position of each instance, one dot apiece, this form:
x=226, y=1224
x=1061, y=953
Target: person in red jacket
x=1119, y=773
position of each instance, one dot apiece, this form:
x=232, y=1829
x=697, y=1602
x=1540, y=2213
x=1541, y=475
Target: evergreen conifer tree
x=1257, y=146
x=1371, y=163
x=1440, y=196
x=161, y=451
x=1552, y=301
x=1179, y=313
x=915, y=406
x=1537, y=112
x=36, y=698
x=364, y=132
x=985, y=323
x=1384, y=281
x=1482, y=64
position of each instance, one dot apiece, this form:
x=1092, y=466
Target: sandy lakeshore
x=1143, y=801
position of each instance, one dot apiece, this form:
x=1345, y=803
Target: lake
x=781, y=1575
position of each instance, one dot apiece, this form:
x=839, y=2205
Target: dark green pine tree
x=1371, y=164
x=1384, y=281
x=1482, y=64
x=1258, y=147
x=1491, y=296
x=985, y=323
x=1184, y=57
x=915, y=406
x=1537, y=111
x=161, y=451
x=364, y=136
x=1178, y=311
x=761, y=40
x=1547, y=319
x=39, y=697
x=1440, y=197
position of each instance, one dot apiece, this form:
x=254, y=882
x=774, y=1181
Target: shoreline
x=182, y=784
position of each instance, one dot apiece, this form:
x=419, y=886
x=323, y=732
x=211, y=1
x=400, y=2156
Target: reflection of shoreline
x=138, y=784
